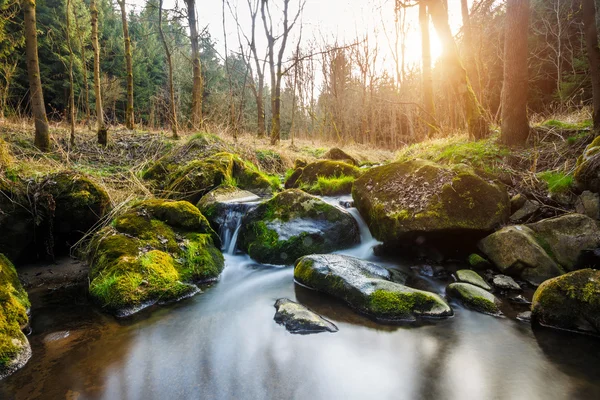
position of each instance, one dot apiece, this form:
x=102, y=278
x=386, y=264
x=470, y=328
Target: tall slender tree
x=515, y=125
x=86, y=85
x=42, y=136
x=102, y=131
x=173, y=109
x=469, y=47
x=71, y=84
x=593, y=51
x=477, y=124
x=198, y=85
x=129, y=113
x=427, y=74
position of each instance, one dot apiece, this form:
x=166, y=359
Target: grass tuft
x=558, y=182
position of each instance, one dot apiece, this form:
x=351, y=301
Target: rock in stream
x=298, y=319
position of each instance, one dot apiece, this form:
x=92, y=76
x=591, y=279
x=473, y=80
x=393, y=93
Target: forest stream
x=224, y=344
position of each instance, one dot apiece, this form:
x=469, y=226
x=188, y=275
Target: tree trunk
x=71, y=85
x=102, y=131
x=515, y=125
x=42, y=136
x=478, y=127
x=129, y=114
x=198, y=86
x=470, y=59
x=86, y=85
x=591, y=40
x=170, y=64
x=427, y=74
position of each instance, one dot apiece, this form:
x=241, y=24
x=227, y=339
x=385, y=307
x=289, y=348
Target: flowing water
x=224, y=344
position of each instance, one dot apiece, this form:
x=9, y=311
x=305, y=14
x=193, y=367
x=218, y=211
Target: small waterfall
x=230, y=223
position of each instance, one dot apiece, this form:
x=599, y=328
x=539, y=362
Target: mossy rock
x=198, y=147
x=294, y=224
x=79, y=204
x=199, y=177
x=14, y=303
x=405, y=201
x=326, y=178
x=17, y=225
x=367, y=288
x=219, y=203
x=337, y=154
x=475, y=298
x=153, y=252
x=587, y=173
x=570, y=301
x=478, y=262
x=515, y=251
x=472, y=277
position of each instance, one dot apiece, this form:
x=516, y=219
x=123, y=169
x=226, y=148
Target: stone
x=472, y=277
x=337, y=154
x=298, y=319
x=505, y=282
x=524, y=213
x=478, y=262
x=588, y=203
x=587, y=173
x=294, y=224
x=569, y=302
x=525, y=316
x=517, y=202
x=519, y=299
x=420, y=202
x=367, y=288
x=325, y=178
x=515, y=251
x=475, y=298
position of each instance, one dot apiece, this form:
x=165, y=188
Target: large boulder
x=14, y=304
x=199, y=177
x=337, y=154
x=367, y=288
x=153, y=252
x=298, y=319
x=326, y=178
x=543, y=250
x=79, y=204
x=570, y=301
x=16, y=220
x=294, y=224
x=587, y=174
x=418, y=199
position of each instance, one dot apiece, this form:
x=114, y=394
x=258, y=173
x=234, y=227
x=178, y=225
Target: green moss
x=478, y=262
x=202, y=260
x=554, y=123
x=558, y=181
x=331, y=186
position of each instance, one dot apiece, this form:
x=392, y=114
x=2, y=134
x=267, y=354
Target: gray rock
x=523, y=214
x=429, y=271
x=588, y=204
x=367, y=288
x=524, y=316
x=516, y=202
x=514, y=250
x=519, y=299
x=472, y=277
x=478, y=262
x=475, y=298
x=505, y=282
x=298, y=319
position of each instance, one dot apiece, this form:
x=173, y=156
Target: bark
x=515, y=125
x=71, y=85
x=427, y=73
x=469, y=45
x=591, y=41
x=129, y=114
x=86, y=85
x=102, y=131
x=198, y=85
x=478, y=127
x=259, y=87
x=170, y=64
x=42, y=136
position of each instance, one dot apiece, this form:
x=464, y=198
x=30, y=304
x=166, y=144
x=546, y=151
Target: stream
x=224, y=344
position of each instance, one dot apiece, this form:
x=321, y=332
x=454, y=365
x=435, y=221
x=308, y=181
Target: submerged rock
x=475, y=298
x=294, y=224
x=14, y=304
x=153, y=252
x=570, y=301
x=504, y=282
x=422, y=202
x=472, y=277
x=298, y=319
x=367, y=288
x=326, y=178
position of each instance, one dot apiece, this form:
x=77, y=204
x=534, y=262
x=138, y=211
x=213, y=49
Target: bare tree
x=515, y=125
x=198, y=85
x=129, y=113
x=427, y=74
x=102, y=131
x=86, y=86
x=42, y=137
x=71, y=85
x=276, y=65
x=591, y=40
x=173, y=109
x=469, y=46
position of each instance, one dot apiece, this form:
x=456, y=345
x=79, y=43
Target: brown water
x=224, y=344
